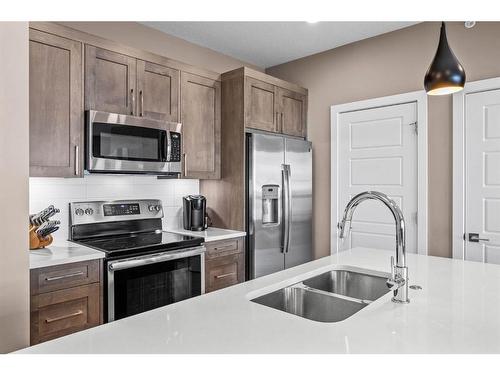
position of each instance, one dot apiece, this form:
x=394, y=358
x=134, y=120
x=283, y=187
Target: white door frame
x=459, y=193
x=420, y=97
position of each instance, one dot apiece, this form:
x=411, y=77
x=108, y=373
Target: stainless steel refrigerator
x=278, y=204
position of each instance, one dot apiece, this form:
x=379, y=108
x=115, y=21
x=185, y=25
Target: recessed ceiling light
x=312, y=21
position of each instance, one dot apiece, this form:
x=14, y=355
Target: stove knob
x=79, y=212
x=158, y=208
x=89, y=211
x=151, y=208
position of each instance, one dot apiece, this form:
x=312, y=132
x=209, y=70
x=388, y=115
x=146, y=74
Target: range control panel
x=105, y=211
x=117, y=209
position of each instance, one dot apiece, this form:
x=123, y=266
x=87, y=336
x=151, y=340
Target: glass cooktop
x=141, y=243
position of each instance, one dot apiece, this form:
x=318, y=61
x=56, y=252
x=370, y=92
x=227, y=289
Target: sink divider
x=301, y=285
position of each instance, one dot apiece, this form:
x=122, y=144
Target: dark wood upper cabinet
x=201, y=126
x=271, y=104
x=55, y=106
x=110, y=81
x=293, y=111
x=119, y=83
x=158, y=90
x=260, y=105
x=250, y=100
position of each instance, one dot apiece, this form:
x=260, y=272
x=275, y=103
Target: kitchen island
x=456, y=311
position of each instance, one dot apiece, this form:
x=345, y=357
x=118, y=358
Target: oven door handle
x=155, y=258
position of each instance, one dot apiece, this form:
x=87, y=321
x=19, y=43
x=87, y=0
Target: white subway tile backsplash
x=61, y=191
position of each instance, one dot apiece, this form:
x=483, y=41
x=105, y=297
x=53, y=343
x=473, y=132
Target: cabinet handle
x=53, y=278
x=77, y=160
x=141, y=113
x=133, y=101
x=225, y=275
x=50, y=320
x=281, y=128
x=224, y=247
x=185, y=164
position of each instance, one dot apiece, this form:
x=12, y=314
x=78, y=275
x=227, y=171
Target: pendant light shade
x=445, y=75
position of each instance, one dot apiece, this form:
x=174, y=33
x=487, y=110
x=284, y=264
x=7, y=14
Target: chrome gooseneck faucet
x=399, y=272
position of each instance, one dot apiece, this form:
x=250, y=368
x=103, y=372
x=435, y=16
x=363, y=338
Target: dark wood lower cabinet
x=225, y=264
x=72, y=303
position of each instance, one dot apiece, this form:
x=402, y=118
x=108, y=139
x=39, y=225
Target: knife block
x=37, y=242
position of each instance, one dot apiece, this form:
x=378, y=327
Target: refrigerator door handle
x=287, y=206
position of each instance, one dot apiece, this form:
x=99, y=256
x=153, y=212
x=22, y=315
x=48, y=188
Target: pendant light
x=445, y=75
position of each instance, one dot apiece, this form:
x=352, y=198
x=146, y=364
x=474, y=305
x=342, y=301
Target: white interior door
x=377, y=150
x=482, y=176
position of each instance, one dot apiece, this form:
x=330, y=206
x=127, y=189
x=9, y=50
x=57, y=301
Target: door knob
x=474, y=237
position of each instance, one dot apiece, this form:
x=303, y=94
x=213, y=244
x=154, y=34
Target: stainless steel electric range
x=145, y=267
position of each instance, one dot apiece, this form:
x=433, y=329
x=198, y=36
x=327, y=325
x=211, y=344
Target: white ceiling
x=267, y=44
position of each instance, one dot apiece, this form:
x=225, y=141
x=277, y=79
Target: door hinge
x=415, y=124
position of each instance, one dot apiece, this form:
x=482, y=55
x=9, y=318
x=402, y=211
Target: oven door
x=126, y=144
x=144, y=283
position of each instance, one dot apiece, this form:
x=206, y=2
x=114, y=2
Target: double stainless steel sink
x=329, y=297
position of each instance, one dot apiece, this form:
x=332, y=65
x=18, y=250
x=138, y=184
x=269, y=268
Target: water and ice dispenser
x=270, y=207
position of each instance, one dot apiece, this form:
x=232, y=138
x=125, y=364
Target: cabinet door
x=200, y=118
x=293, y=112
x=224, y=271
x=260, y=105
x=65, y=311
x=110, y=80
x=158, y=88
x=55, y=105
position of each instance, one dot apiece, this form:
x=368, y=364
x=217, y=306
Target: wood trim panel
x=248, y=72
x=225, y=197
x=48, y=279
x=56, y=29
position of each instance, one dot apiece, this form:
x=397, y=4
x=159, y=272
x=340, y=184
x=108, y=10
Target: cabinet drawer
x=59, y=313
x=224, y=271
x=64, y=276
x=222, y=248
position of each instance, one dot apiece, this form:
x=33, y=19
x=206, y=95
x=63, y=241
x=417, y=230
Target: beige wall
x=390, y=64
x=14, y=266
x=146, y=38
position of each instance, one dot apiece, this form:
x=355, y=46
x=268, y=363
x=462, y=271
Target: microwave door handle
x=165, y=145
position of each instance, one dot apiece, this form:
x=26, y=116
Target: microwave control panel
x=175, y=146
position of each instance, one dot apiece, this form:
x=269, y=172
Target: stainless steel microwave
x=116, y=143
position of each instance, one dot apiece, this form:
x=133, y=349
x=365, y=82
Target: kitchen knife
x=52, y=223
x=37, y=219
x=51, y=211
x=44, y=233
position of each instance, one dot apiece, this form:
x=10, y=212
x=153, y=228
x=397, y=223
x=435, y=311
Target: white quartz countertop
x=210, y=234
x=62, y=253
x=457, y=311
